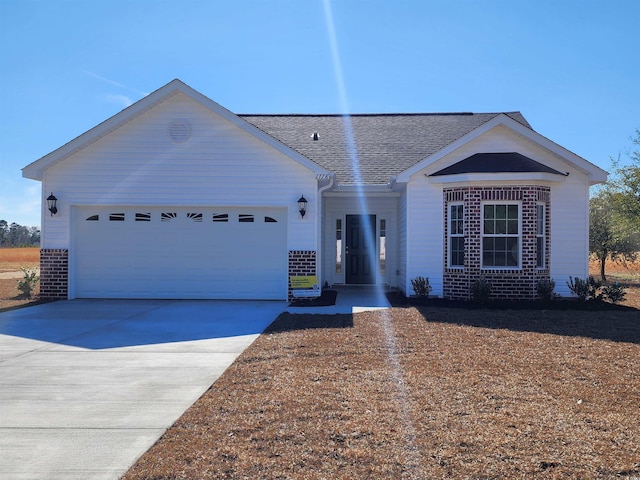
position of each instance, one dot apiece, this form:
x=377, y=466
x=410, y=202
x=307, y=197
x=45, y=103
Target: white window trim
x=543, y=235
x=518, y=236
x=450, y=235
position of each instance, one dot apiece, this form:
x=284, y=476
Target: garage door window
x=168, y=216
x=116, y=217
x=196, y=217
x=244, y=218
x=220, y=217
x=143, y=217
x=93, y=218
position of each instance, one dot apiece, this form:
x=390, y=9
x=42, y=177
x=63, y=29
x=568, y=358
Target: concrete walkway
x=350, y=299
x=87, y=386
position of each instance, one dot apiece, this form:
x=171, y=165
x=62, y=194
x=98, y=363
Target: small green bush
x=421, y=286
x=545, y=289
x=614, y=293
x=588, y=289
x=28, y=282
x=481, y=291
x=579, y=287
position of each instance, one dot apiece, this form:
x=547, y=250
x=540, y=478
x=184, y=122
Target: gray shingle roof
x=384, y=145
x=495, y=163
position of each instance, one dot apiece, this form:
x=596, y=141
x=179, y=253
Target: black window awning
x=511, y=162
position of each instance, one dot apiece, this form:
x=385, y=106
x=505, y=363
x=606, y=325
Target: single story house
x=177, y=197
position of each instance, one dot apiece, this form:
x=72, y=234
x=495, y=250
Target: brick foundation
x=506, y=283
x=301, y=263
x=54, y=273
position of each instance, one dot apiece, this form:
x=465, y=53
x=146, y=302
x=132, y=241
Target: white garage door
x=152, y=252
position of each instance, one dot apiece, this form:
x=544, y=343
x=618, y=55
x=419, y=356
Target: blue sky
x=570, y=66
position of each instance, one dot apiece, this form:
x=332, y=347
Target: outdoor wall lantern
x=51, y=204
x=302, y=206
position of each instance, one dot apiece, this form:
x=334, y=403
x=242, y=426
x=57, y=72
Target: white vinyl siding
x=425, y=234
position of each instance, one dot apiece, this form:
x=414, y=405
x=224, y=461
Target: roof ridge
x=386, y=114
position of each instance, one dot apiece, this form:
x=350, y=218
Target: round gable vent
x=179, y=131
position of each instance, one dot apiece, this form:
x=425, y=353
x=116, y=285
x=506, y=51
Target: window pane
x=501, y=211
x=488, y=227
x=339, y=245
x=501, y=227
x=488, y=211
x=540, y=220
x=540, y=252
x=513, y=212
x=383, y=246
x=512, y=252
x=487, y=259
x=512, y=227
x=457, y=251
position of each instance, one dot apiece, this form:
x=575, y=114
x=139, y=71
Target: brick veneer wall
x=507, y=283
x=302, y=263
x=54, y=273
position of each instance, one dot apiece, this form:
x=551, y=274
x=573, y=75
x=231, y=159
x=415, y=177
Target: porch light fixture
x=302, y=206
x=51, y=204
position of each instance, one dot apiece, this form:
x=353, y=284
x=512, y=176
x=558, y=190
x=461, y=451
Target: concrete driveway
x=87, y=386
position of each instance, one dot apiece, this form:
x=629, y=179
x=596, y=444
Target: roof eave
x=475, y=177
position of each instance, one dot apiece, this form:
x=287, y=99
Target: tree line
x=614, y=212
x=14, y=235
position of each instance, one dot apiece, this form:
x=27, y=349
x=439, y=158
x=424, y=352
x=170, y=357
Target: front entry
x=360, y=249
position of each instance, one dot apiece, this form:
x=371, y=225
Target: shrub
x=579, y=287
x=545, y=289
x=421, y=286
x=481, y=291
x=28, y=282
x=614, y=293
x=586, y=289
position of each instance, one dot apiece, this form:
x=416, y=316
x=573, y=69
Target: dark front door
x=360, y=249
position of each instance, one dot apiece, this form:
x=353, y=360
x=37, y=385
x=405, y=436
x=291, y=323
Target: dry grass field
x=11, y=259
x=416, y=393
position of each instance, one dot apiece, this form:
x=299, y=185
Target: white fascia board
x=361, y=190
x=500, y=177
x=595, y=173
x=36, y=169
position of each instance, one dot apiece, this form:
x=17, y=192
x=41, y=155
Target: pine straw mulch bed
x=419, y=393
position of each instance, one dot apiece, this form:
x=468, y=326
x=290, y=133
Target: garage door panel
x=173, y=256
